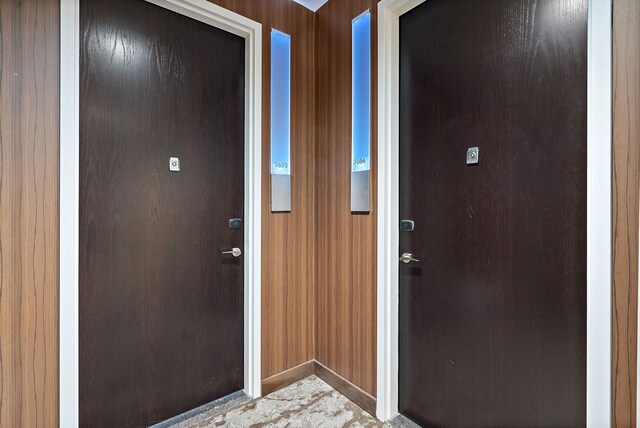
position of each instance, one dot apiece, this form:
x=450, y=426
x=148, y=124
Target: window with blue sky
x=280, y=103
x=361, y=96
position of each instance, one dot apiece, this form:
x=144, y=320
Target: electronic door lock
x=407, y=225
x=235, y=223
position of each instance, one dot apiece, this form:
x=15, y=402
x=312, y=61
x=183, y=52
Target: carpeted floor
x=307, y=403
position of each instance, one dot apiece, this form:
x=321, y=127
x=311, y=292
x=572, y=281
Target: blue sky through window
x=361, y=96
x=280, y=103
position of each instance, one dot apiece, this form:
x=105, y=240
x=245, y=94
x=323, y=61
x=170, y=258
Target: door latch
x=407, y=258
x=235, y=252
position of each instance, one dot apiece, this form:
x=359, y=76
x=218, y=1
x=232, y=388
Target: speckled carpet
x=307, y=403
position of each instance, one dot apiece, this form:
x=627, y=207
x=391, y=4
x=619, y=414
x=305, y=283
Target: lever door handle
x=408, y=257
x=235, y=252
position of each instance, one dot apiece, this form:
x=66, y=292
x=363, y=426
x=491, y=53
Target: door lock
x=408, y=257
x=235, y=252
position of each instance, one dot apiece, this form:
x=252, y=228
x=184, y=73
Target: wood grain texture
x=492, y=319
x=626, y=158
x=287, y=377
x=29, y=198
x=29, y=213
x=288, y=248
x=161, y=309
x=346, y=317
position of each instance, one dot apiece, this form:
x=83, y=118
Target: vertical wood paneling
x=626, y=158
x=345, y=267
x=346, y=317
x=288, y=248
x=29, y=213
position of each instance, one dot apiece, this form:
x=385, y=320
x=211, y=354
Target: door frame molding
x=218, y=17
x=599, y=193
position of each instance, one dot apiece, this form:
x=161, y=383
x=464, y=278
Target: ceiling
x=313, y=5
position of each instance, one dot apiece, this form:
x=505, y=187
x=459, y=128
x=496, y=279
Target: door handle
x=408, y=257
x=235, y=252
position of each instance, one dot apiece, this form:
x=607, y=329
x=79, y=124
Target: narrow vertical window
x=280, y=121
x=361, y=112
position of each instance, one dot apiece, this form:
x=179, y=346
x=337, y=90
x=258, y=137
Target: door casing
x=599, y=120
x=208, y=13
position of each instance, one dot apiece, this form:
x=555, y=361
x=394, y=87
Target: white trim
x=638, y=334
x=218, y=17
x=598, y=209
x=69, y=209
x=389, y=12
x=362, y=15
x=312, y=5
x=282, y=33
x=599, y=213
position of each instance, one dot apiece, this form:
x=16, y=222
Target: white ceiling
x=313, y=5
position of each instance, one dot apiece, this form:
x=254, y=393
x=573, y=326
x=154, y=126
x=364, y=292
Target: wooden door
x=161, y=309
x=493, y=316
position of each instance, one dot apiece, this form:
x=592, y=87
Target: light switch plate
x=174, y=164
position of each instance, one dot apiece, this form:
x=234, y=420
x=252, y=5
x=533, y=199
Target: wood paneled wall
x=29, y=213
x=29, y=151
x=626, y=162
x=288, y=249
x=319, y=242
x=346, y=317
x=346, y=243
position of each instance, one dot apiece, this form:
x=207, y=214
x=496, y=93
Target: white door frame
x=598, y=209
x=216, y=16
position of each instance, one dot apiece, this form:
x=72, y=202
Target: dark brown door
x=161, y=310
x=493, y=316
